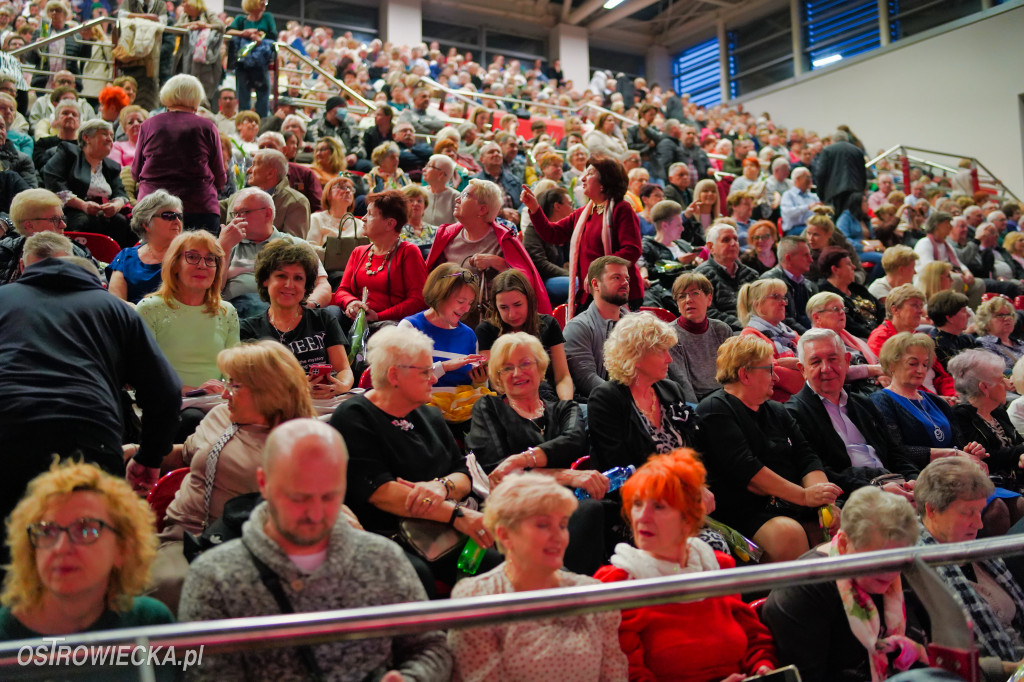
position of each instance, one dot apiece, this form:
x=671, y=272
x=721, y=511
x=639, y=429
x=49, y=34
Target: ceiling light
x=825, y=61
x=612, y=4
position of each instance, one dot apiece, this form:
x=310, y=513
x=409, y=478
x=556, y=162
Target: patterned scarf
x=784, y=338
x=574, y=249
x=864, y=623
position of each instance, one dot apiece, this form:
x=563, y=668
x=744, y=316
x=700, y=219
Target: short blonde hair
x=504, y=346
x=243, y=116
x=1011, y=240
x=896, y=257
x=900, y=295
x=392, y=346
x=988, y=310
x=122, y=118
x=752, y=294
x=897, y=346
x=411, y=191
x=817, y=303
x=250, y=5
x=183, y=90
x=520, y=496
x=633, y=337
x=130, y=516
x=738, y=352
x=28, y=202
x=279, y=386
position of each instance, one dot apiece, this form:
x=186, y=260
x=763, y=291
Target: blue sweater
x=449, y=344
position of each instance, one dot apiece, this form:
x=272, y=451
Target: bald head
x=293, y=439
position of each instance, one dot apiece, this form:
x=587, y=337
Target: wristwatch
x=457, y=513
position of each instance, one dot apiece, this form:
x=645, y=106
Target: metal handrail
x=904, y=151
x=57, y=36
x=362, y=623
x=341, y=85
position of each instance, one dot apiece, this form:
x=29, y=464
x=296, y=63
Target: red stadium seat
x=163, y=492
x=559, y=314
x=102, y=247
x=364, y=380
x=660, y=313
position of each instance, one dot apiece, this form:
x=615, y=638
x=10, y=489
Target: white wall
x=956, y=92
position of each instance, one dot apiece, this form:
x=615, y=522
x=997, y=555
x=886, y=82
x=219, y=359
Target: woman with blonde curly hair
x=640, y=410
x=81, y=544
x=766, y=478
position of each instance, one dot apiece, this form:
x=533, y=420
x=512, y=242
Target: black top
x=812, y=631
x=317, y=331
x=816, y=425
x=620, y=437
x=947, y=345
x=727, y=288
x=382, y=448
x=863, y=311
x=738, y=442
x=69, y=170
x=497, y=431
x=549, y=333
x=1002, y=455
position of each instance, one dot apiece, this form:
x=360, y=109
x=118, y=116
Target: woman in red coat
x=718, y=639
x=606, y=226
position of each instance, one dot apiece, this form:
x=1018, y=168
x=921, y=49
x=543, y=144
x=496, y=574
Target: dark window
x=695, y=71
x=760, y=53
x=837, y=29
x=632, y=65
x=910, y=17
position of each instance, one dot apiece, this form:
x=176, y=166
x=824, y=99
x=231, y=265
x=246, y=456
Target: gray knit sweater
x=693, y=357
x=361, y=569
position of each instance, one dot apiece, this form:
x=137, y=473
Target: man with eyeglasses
x=794, y=263
x=269, y=172
x=67, y=349
x=227, y=109
x=250, y=228
x=848, y=433
x=298, y=553
x=33, y=211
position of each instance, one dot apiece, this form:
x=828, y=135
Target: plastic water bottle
x=616, y=477
x=472, y=555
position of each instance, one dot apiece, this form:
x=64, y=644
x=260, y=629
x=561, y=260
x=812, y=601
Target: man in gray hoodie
x=296, y=543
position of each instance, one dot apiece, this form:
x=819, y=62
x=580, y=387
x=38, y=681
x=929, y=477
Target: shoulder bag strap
x=272, y=582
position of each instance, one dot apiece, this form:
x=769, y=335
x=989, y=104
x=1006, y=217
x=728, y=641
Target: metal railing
x=63, y=34
x=342, y=86
x=905, y=156
x=362, y=623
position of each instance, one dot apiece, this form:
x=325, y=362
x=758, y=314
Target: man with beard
x=299, y=554
x=585, y=334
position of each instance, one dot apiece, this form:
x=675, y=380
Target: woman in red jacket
x=606, y=226
x=718, y=639
x=391, y=269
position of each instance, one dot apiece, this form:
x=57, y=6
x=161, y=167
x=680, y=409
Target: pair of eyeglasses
x=193, y=258
x=761, y=237
x=84, y=531
x=424, y=372
x=55, y=221
x=172, y=215
x=767, y=368
x=524, y=366
x=687, y=295
x=833, y=309
x=778, y=297
x=467, y=276
x=245, y=211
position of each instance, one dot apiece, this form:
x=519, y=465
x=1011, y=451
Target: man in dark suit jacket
x=794, y=264
x=863, y=450
x=840, y=171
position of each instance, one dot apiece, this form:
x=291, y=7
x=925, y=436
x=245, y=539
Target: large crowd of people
x=765, y=331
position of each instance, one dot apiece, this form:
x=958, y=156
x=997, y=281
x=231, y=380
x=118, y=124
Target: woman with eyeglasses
x=328, y=159
x=762, y=237
x=996, y=322
x=188, y=318
x=441, y=205
x=135, y=271
x=404, y=462
x=286, y=274
x=761, y=307
x=264, y=386
x=81, y=545
x=336, y=220
x=767, y=481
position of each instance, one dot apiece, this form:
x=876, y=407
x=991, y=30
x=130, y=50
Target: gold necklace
x=599, y=209
x=535, y=413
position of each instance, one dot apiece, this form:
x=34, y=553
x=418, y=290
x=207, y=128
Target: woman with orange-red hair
x=714, y=639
